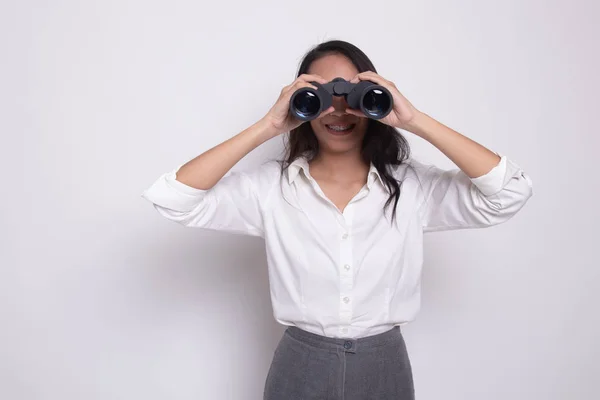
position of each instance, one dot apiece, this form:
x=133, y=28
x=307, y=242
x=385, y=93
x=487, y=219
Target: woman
x=343, y=220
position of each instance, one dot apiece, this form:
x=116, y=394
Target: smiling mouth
x=339, y=129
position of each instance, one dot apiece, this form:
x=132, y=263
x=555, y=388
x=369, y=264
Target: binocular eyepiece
x=373, y=100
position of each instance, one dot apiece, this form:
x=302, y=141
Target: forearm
x=472, y=158
x=204, y=171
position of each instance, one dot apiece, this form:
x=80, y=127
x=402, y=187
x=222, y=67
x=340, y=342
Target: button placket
x=346, y=272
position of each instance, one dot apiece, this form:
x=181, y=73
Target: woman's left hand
x=403, y=112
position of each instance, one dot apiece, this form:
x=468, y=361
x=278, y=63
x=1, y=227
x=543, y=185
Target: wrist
x=265, y=129
x=418, y=124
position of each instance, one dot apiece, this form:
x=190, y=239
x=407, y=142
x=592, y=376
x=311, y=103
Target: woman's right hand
x=279, y=118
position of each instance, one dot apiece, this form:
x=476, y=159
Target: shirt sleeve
x=453, y=200
x=233, y=205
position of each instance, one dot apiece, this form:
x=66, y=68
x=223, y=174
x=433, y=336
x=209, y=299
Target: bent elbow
x=509, y=201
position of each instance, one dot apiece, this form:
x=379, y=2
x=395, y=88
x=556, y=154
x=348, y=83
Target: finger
x=363, y=75
x=379, y=80
x=357, y=113
x=304, y=78
x=296, y=86
x=355, y=79
x=312, y=77
x=285, y=89
x=302, y=84
x=327, y=112
x=373, y=77
x=368, y=73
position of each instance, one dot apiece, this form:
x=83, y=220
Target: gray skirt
x=309, y=367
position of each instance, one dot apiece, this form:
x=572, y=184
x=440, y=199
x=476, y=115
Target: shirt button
x=345, y=236
x=344, y=330
x=346, y=300
x=347, y=267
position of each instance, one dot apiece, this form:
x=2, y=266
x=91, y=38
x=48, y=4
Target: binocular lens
x=306, y=104
x=376, y=102
x=373, y=100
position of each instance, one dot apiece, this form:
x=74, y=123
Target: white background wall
x=100, y=298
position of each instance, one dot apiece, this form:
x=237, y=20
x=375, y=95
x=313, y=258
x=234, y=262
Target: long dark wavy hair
x=383, y=145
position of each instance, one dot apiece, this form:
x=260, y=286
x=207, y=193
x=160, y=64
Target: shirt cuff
x=169, y=193
x=492, y=182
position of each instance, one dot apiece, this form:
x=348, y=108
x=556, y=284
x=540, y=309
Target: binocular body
x=373, y=100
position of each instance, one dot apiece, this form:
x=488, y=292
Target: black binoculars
x=373, y=100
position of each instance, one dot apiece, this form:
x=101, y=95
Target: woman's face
x=337, y=132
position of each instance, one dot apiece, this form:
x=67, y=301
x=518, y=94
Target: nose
x=340, y=105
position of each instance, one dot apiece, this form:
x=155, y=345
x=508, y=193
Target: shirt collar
x=301, y=163
x=374, y=175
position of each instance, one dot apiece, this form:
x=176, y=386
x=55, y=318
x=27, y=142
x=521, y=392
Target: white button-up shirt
x=344, y=274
